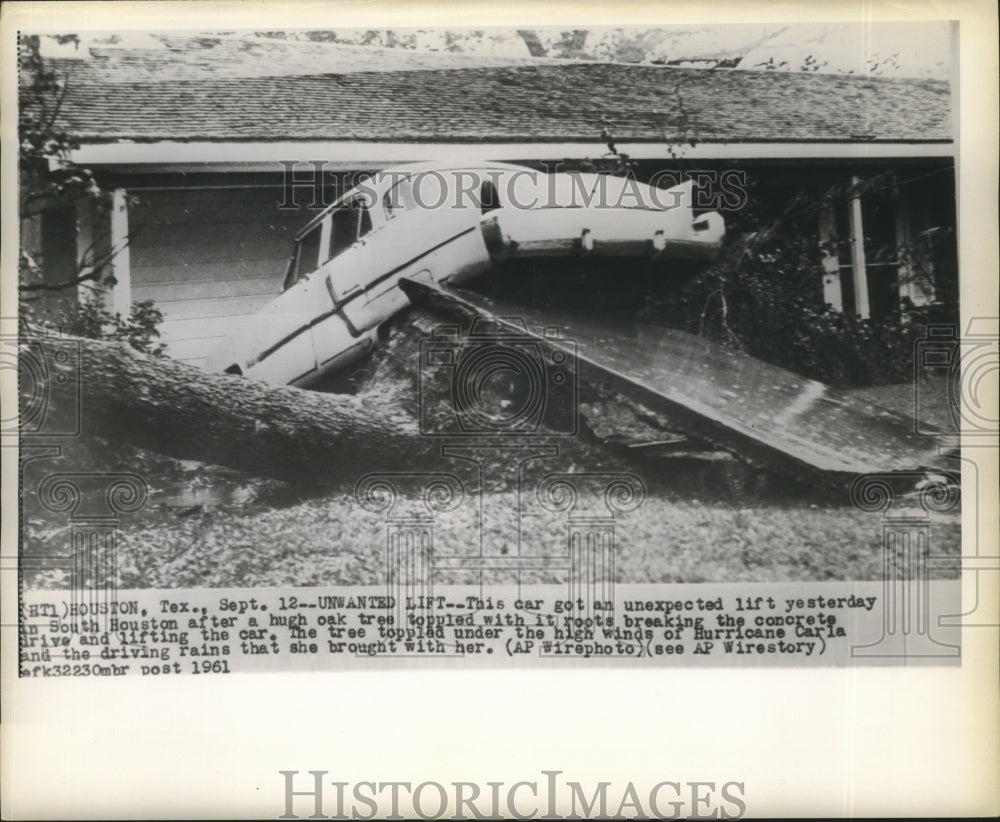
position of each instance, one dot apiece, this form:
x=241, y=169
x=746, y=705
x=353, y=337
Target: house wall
x=208, y=257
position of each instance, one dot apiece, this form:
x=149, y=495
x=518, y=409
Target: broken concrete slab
x=765, y=414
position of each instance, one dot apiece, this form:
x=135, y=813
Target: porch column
x=121, y=294
x=861, y=305
x=832, y=291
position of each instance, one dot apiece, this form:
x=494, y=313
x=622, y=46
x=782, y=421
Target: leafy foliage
x=49, y=181
x=765, y=296
x=139, y=329
x=47, y=173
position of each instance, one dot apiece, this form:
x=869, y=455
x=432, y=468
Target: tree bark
x=110, y=390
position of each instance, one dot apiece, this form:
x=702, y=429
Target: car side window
x=305, y=260
x=399, y=198
x=349, y=223
x=489, y=197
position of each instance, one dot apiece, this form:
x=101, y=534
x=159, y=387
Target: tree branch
x=107, y=389
x=82, y=278
x=93, y=274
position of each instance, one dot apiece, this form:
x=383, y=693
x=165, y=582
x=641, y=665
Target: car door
x=284, y=345
x=428, y=216
x=409, y=231
x=350, y=267
x=350, y=223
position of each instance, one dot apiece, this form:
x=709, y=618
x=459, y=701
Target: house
x=217, y=149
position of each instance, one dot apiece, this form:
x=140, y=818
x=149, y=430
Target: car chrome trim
x=354, y=332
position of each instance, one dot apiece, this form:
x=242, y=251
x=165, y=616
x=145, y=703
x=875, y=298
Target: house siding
x=208, y=258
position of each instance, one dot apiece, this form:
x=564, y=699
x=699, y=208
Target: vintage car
x=442, y=223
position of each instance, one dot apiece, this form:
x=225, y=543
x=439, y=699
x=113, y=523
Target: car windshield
x=348, y=224
x=399, y=198
x=305, y=258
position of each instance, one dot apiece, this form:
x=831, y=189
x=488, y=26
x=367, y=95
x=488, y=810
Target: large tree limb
x=178, y=410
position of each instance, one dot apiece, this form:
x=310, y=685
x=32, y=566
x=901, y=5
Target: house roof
x=181, y=56
x=229, y=91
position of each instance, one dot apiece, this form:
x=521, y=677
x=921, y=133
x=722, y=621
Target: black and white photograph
x=530, y=348
x=717, y=257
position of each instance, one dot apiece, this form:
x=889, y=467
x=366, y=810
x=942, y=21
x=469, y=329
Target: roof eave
x=252, y=155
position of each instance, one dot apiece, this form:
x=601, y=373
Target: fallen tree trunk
x=109, y=390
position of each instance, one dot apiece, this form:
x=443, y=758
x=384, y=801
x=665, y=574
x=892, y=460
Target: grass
x=332, y=541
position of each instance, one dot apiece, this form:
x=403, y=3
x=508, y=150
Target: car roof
x=408, y=168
